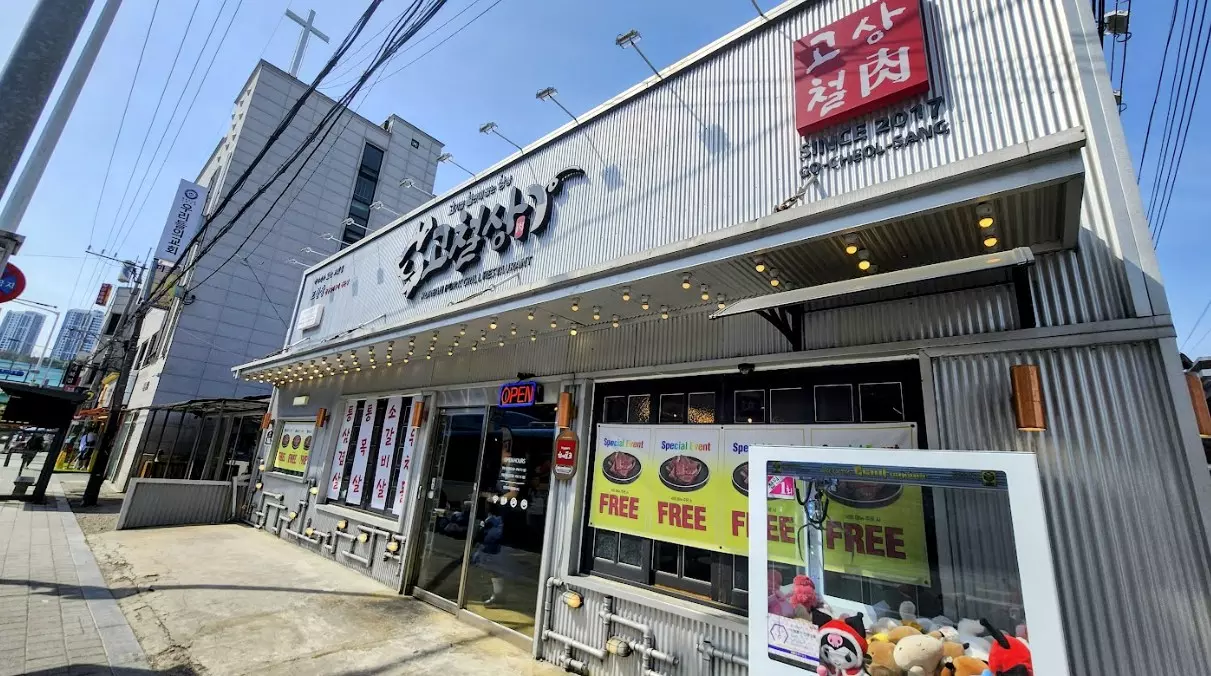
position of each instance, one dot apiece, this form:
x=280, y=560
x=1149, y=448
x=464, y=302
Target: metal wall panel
x=714, y=145
x=1114, y=475
x=175, y=502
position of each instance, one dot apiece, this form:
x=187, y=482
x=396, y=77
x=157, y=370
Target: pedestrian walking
x=88, y=442
x=33, y=446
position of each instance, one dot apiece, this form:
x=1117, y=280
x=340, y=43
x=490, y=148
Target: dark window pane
x=881, y=402
x=702, y=408
x=697, y=564
x=834, y=403
x=353, y=234
x=372, y=158
x=672, y=409
x=740, y=573
x=359, y=211
x=639, y=409
x=615, y=410
x=750, y=406
x=630, y=550
x=666, y=557
x=415, y=143
x=790, y=406
x=363, y=189
x=605, y=545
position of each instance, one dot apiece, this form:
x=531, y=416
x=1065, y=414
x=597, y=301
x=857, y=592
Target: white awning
x=896, y=283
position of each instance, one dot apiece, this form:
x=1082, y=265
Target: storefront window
x=881, y=402
x=639, y=409
x=372, y=458
x=750, y=406
x=654, y=458
x=702, y=408
x=834, y=403
x=672, y=409
x=789, y=405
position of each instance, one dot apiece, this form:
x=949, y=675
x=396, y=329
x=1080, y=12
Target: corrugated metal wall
x=1114, y=476
x=715, y=145
x=173, y=502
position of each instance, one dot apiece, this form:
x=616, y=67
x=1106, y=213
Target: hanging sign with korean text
x=361, y=454
x=405, y=467
x=294, y=447
x=342, y=450
x=386, y=452
x=860, y=63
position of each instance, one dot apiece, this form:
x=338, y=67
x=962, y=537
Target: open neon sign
x=519, y=395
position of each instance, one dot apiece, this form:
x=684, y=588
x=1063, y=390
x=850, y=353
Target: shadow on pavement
x=116, y=671
x=92, y=592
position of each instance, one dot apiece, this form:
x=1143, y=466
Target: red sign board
x=12, y=283
x=517, y=395
x=865, y=61
x=565, y=454
x=103, y=294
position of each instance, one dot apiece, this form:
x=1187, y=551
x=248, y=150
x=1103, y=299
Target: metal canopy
x=43, y=407
x=891, y=285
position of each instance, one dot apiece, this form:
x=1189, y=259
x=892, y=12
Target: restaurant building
x=846, y=223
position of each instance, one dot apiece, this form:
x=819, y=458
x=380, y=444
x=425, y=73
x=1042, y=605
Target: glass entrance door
x=510, y=515
x=449, y=498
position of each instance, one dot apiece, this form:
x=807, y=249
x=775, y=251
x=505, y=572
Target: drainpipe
x=646, y=648
x=708, y=651
x=573, y=643
x=568, y=664
x=544, y=565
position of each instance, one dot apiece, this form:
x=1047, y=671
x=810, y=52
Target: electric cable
x=128, y=220
x=440, y=43
x=403, y=33
x=1177, y=86
x=134, y=168
x=1160, y=79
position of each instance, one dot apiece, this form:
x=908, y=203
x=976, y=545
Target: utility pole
x=23, y=189
x=30, y=75
x=129, y=345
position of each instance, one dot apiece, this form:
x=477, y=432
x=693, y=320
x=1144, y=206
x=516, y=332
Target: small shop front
x=546, y=400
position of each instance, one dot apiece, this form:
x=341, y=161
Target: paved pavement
x=229, y=599
x=56, y=614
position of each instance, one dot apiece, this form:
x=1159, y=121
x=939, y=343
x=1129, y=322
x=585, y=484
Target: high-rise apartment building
x=19, y=332
x=78, y=334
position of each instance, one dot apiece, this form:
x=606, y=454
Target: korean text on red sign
x=863, y=62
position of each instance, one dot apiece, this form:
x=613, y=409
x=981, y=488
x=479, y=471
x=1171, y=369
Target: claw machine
x=882, y=562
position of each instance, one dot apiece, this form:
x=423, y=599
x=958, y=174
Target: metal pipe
x=647, y=648
x=344, y=536
x=709, y=652
x=301, y=536
x=571, y=665
x=350, y=555
x=547, y=634
x=281, y=497
x=375, y=531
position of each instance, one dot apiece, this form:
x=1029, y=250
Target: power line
x=441, y=42
x=151, y=123
x=129, y=227
x=1159, y=83
x=1197, y=322
x=1177, y=85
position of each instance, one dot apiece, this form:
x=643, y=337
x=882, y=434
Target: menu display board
x=293, y=447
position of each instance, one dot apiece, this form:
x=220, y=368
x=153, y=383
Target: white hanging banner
x=342, y=450
x=184, y=219
x=386, y=453
x=405, y=468
x=361, y=455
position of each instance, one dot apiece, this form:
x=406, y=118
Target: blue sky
x=488, y=71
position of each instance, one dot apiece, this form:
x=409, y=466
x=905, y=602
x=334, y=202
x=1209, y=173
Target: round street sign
x=12, y=283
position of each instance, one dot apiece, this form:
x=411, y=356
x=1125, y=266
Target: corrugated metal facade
x=172, y=502
x=715, y=145
x=1113, y=478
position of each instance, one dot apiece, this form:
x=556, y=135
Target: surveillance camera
x=746, y=369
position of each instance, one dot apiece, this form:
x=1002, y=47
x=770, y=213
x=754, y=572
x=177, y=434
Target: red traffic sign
x=565, y=454
x=12, y=283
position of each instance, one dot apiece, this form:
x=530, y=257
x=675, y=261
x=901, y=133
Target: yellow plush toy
x=899, y=633
x=882, y=655
x=952, y=649
x=963, y=666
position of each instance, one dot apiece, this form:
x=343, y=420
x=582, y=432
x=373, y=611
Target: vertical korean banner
x=623, y=456
x=294, y=446
x=875, y=530
x=686, y=487
x=342, y=450
x=361, y=454
x=386, y=452
x=405, y=468
x=785, y=516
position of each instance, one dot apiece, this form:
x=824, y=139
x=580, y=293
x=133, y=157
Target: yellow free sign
x=293, y=446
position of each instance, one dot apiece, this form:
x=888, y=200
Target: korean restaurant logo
x=860, y=63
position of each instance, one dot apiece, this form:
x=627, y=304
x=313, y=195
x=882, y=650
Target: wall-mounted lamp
x=631, y=39
x=411, y=183
x=1028, y=398
x=447, y=157
x=548, y=94
x=491, y=128
x=572, y=600
x=301, y=400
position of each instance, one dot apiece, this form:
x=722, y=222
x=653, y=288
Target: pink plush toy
x=778, y=603
x=804, y=593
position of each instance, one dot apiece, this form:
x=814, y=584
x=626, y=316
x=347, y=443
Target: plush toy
x=1009, y=656
x=946, y=633
x=963, y=666
x=952, y=649
x=803, y=594
x=842, y=645
x=882, y=654
x=970, y=627
x=899, y=633
x=779, y=604
x=880, y=670
x=918, y=655
x=884, y=625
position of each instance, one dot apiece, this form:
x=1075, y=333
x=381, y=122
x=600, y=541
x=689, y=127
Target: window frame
x=372, y=456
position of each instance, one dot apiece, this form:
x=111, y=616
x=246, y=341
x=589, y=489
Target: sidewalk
x=56, y=614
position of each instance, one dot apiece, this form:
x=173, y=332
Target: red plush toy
x=804, y=593
x=1008, y=656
